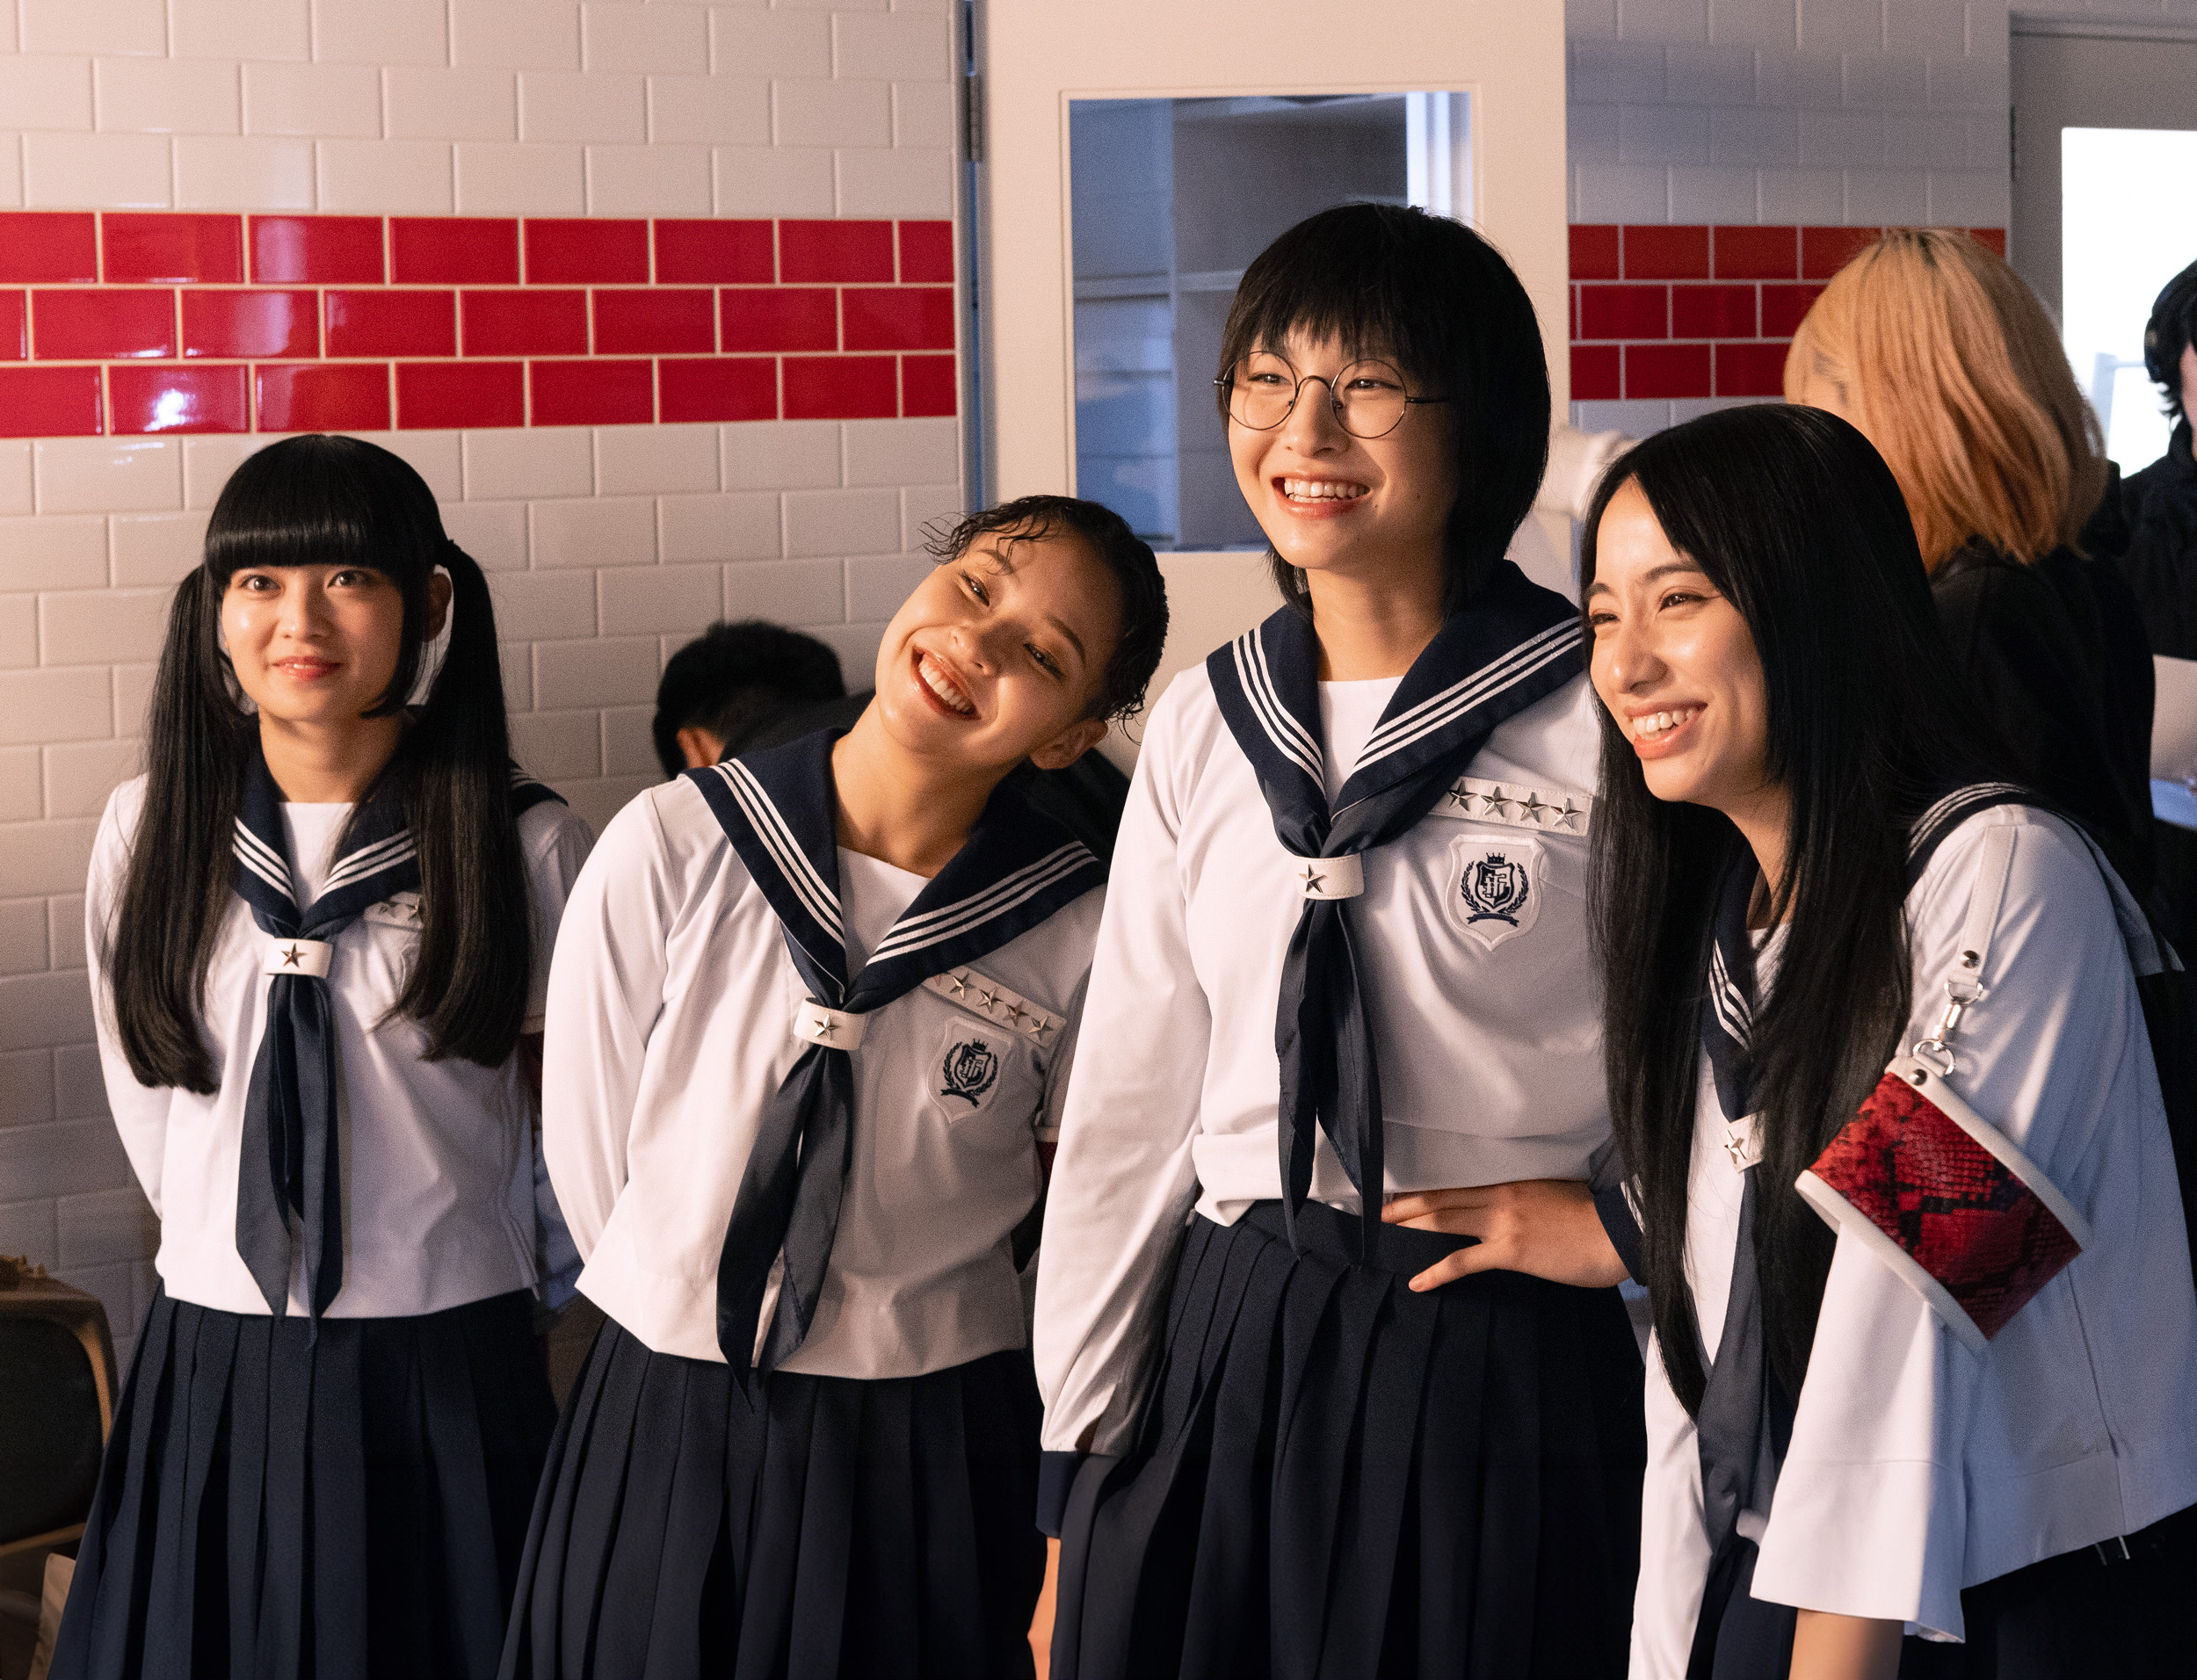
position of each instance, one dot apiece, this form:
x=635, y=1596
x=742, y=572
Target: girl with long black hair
x=320, y=932
x=1924, y=1334
x=1342, y=1026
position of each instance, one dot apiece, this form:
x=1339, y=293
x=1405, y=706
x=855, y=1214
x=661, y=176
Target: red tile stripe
x=1661, y=312
x=151, y=323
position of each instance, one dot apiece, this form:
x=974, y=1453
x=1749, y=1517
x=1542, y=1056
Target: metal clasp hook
x=1938, y=1048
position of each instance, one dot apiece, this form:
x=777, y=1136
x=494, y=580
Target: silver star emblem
x=826, y=1027
x=1461, y=797
x=986, y=999
x=290, y=957
x=1532, y=807
x=1038, y=1028
x=1497, y=801
x=1569, y=815
x=1015, y=1012
x=959, y=983
x=1312, y=878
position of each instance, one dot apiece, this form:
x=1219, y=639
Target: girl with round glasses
x=1303, y=1412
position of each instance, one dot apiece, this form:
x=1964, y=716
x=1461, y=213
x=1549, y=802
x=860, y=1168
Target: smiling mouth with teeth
x=941, y=684
x=1654, y=725
x=1321, y=490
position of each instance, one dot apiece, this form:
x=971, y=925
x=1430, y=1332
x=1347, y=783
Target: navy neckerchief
x=291, y=1151
x=1514, y=644
x=778, y=808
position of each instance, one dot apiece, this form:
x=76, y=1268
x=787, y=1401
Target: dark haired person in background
x=2150, y=519
x=1283, y=1434
x=811, y=1017
x=733, y=680
x=319, y=930
x=1922, y=1407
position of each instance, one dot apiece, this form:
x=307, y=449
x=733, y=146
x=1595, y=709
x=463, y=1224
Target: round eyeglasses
x=1367, y=397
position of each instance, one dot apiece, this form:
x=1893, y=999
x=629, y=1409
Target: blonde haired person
x=1943, y=358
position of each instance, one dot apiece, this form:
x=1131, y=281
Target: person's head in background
x=1419, y=428
x=731, y=677
x=1940, y=354
x=2170, y=345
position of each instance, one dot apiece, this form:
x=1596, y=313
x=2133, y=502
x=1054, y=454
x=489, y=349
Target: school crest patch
x=966, y=1069
x=1494, y=886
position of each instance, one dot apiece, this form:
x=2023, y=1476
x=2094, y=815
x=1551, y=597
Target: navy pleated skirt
x=1337, y=1478
x=277, y=1506
x=870, y=1529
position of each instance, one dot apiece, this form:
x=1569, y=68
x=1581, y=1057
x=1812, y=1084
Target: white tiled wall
x=607, y=548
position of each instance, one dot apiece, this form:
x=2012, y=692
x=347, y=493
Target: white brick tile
x=102, y=626
x=21, y=796
x=1616, y=193
x=1799, y=81
x=1935, y=26
x=602, y=672
x=499, y=180
x=901, y=452
x=106, y=1227
x=606, y=531
x=102, y=171
x=515, y=34
x=132, y=688
x=558, y=744
x=101, y=475
x=1635, y=419
x=46, y=92
x=434, y=455
x=636, y=460
x=1754, y=22
x=1664, y=20
x=40, y=857
x=548, y=461
x=178, y=95
x=1616, y=72
x=493, y=532
x=38, y=705
x=877, y=585
x=740, y=526
x=1842, y=139
x=780, y=455
x=26, y=1089
x=1881, y=197
x=18, y=491
x=64, y=929
x=831, y=113
x=1661, y=134
x=1811, y=197
x=22, y=949
x=27, y=1228
x=138, y=27
x=856, y=644
x=208, y=462
x=1714, y=194
x=80, y=775
x=327, y=100
x=53, y=553
x=661, y=600
x=18, y=631
x=241, y=29
x=117, y=1288
x=390, y=176
x=1988, y=143
x=556, y=104
x=925, y=115
x=517, y=658
x=629, y=747
x=838, y=5
x=1755, y=137
x=467, y=103
x=1693, y=408
x=773, y=181
x=1708, y=75
x=380, y=32
x=1845, y=25
x=154, y=548
x=595, y=802
x=79, y=1087
x=842, y=522
x=875, y=49
x=1967, y=84
x=769, y=43
x=1914, y=141
x=896, y=183
x=655, y=37
x=1591, y=132
x=710, y=110
x=786, y=591
x=544, y=606
x=1887, y=82
x=649, y=181
x=1967, y=198
x=10, y=175
x=245, y=174
x=925, y=508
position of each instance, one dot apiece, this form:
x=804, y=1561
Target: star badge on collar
x=1313, y=878
x=291, y=956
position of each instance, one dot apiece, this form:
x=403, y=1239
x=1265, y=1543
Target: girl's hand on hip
x=1545, y=1227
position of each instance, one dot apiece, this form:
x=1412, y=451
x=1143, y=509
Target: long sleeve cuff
x=1623, y=1229
x=1056, y=1477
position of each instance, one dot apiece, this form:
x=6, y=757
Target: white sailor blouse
x=438, y=1192
x=1917, y=1466
x=676, y=1014
x=1484, y=1015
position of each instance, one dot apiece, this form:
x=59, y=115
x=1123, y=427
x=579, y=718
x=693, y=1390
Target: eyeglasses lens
x=1369, y=396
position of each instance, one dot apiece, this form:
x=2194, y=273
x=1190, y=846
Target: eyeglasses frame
x=1225, y=383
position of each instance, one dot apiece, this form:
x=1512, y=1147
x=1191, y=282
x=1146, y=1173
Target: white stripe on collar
x=778, y=839
x=1292, y=740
